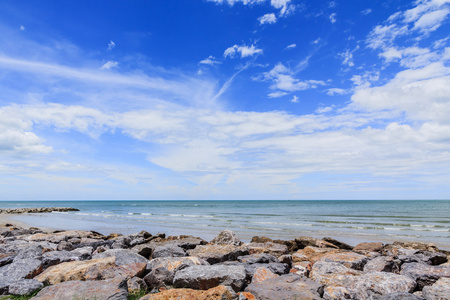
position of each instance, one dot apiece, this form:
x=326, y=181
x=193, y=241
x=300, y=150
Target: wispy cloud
x=109, y=65
x=111, y=45
x=243, y=50
x=268, y=19
x=211, y=60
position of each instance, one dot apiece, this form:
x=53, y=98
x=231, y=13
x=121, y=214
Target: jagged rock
x=137, y=241
x=277, y=268
x=74, y=240
x=83, y=253
x=311, y=254
x=172, y=263
x=263, y=273
x=136, y=284
x=122, y=242
x=300, y=269
x=246, y=296
x=332, y=273
x=159, y=277
x=111, y=289
x=382, y=264
x=216, y=293
x=122, y=256
x=52, y=258
x=187, y=242
x=332, y=292
x=270, y=248
x=261, y=239
x=400, y=296
x=373, y=247
x=95, y=244
x=35, y=210
x=440, y=290
x=286, y=287
x=214, y=254
x=375, y=284
x=123, y=271
x=143, y=249
x=20, y=269
x=291, y=245
x=262, y=258
x=206, y=277
x=76, y=270
x=31, y=252
x=305, y=241
x=416, y=246
x=168, y=251
x=424, y=274
x=431, y=258
x=226, y=237
x=349, y=259
x=6, y=258
x=63, y=245
x=285, y=259
x=24, y=287
x=57, y=237
x=337, y=243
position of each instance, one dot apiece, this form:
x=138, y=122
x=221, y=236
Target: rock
x=285, y=259
x=416, y=246
x=431, y=258
x=263, y=273
x=246, y=296
x=52, y=258
x=159, y=277
x=76, y=270
x=336, y=292
x=424, y=274
x=24, y=287
x=286, y=287
x=136, y=284
x=6, y=258
x=305, y=241
x=382, y=264
x=300, y=269
x=137, y=241
x=226, y=237
x=277, y=268
x=349, y=259
x=214, y=254
x=144, y=250
x=122, y=242
x=261, y=239
x=173, y=263
x=111, y=289
x=63, y=245
x=31, y=252
x=168, y=251
x=187, y=242
x=312, y=254
x=373, y=247
x=35, y=210
x=59, y=236
x=333, y=273
x=292, y=245
x=124, y=271
x=262, y=258
x=216, y=293
x=122, y=256
x=375, y=284
x=270, y=248
x=440, y=290
x=206, y=277
x=83, y=253
x=337, y=243
x=20, y=269
x=400, y=296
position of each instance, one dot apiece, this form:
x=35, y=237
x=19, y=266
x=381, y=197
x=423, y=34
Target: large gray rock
x=269, y=247
x=52, y=258
x=6, y=258
x=20, y=269
x=110, y=289
x=122, y=242
x=373, y=285
x=206, y=277
x=159, y=277
x=333, y=273
x=226, y=237
x=123, y=256
x=31, y=252
x=144, y=249
x=214, y=254
x=168, y=251
x=400, y=296
x=277, y=268
x=175, y=263
x=440, y=290
x=431, y=258
x=25, y=287
x=425, y=274
x=286, y=287
x=337, y=243
x=261, y=258
x=382, y=264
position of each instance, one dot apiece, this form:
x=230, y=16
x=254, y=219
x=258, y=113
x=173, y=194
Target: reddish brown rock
x=271, y=248
x=311, y=254
x=217, y=293
x=246, y=296
x=214, y=254
x=372, y=247
x=261, y=239
x=305, y=241
x=261, y=274
x=172, y=263
x=349, y=259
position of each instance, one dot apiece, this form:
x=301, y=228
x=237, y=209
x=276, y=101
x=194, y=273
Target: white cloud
x=316, y=41
x=440, y=43
x=211, y=60
x=432, y=20
x=109, y=65
x=322, y=110
x=284, y=5
x=267, y=19
x=347, y=58
x=232, y=2
x=244, y=51
x=295, y=99
x=291, y=46
x=277, y=94
x=333, y=18
x=337, y=91
x=111, y=45
x=22, y=28
x=366, y=11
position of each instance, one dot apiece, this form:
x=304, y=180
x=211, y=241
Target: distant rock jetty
x=35, y=210
x=76, y=264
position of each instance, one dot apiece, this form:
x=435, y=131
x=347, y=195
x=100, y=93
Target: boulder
x=332, y=292
x=261, y=239
x=263, y=273
x=382, y=264
x=261, y=258
x=136, y=284
x=400, y=296
x=111, y=289
x=311, y=254
x=277, y=268
x=122, y=242
x=144, y=250
x=416, y=246
x=425, y=274
x=214, y=254
x=63, y=245
x=216, y=293
x=286, y=287
x=431, y=258
x=124, y=271
x=270, y=248
x=52, y=258
x=32, y=252
x=122, y=256
x=168, y=251
x=159, y=277
x=23, y=287
x=57, y=237
x=371, y=247
x=20, y=269
x=337, y=243
x=76, y=270
x=440, y=290
x=349, y=259
x=173, y=263
x=305, y=241
x=333, y=273
x=226, y=237
x=206, y=277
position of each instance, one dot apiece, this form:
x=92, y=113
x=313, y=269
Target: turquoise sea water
x=348, y=221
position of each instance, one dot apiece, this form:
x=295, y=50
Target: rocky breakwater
x=88, y=265
x=35, y=210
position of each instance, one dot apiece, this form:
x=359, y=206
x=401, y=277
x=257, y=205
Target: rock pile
x=35, y=210
x=77, y=264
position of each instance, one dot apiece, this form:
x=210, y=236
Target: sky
x=224, y=99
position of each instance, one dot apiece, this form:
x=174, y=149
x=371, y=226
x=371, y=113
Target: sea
x=350, y=221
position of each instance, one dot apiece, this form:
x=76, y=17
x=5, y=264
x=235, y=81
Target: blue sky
x=224, y=99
